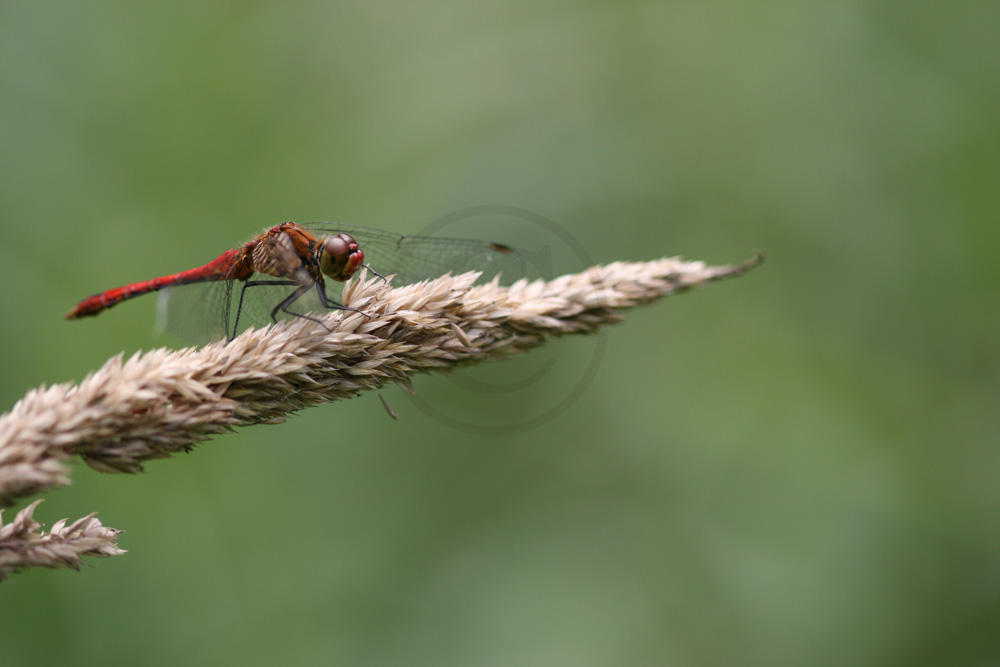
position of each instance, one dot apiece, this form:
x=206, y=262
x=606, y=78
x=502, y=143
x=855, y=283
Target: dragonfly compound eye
x=341, y=257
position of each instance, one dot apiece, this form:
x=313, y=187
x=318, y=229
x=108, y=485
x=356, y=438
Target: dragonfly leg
x=333, y=305
x=371, y=270
x=284, y=305
x=255, y=283
x=289, y=300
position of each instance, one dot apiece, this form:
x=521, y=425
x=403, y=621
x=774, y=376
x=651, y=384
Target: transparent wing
x=416, y=258
x=206, y=312
x=198, y=313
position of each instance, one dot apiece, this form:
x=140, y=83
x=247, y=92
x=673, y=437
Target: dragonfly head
x=340, y=257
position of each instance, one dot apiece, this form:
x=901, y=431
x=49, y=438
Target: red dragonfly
x=287, y=266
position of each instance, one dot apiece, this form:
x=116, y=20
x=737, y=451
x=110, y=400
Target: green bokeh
x=794, y=468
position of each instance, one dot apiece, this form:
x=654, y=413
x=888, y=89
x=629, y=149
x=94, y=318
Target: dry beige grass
x=23, y=545
x=164, y=401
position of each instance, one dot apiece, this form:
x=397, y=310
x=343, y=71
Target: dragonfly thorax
x=340, y=256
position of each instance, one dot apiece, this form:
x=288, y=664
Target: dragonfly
x=283, y=273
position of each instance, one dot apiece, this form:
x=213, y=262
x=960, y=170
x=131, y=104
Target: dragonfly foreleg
x=299, y=292
x=333, y=305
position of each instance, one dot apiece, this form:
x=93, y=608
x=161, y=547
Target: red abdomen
x=229, y=266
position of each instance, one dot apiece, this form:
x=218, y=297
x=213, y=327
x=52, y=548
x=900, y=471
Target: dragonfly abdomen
x=225, y=267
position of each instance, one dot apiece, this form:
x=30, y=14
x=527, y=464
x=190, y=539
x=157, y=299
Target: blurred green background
x=797, y=467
